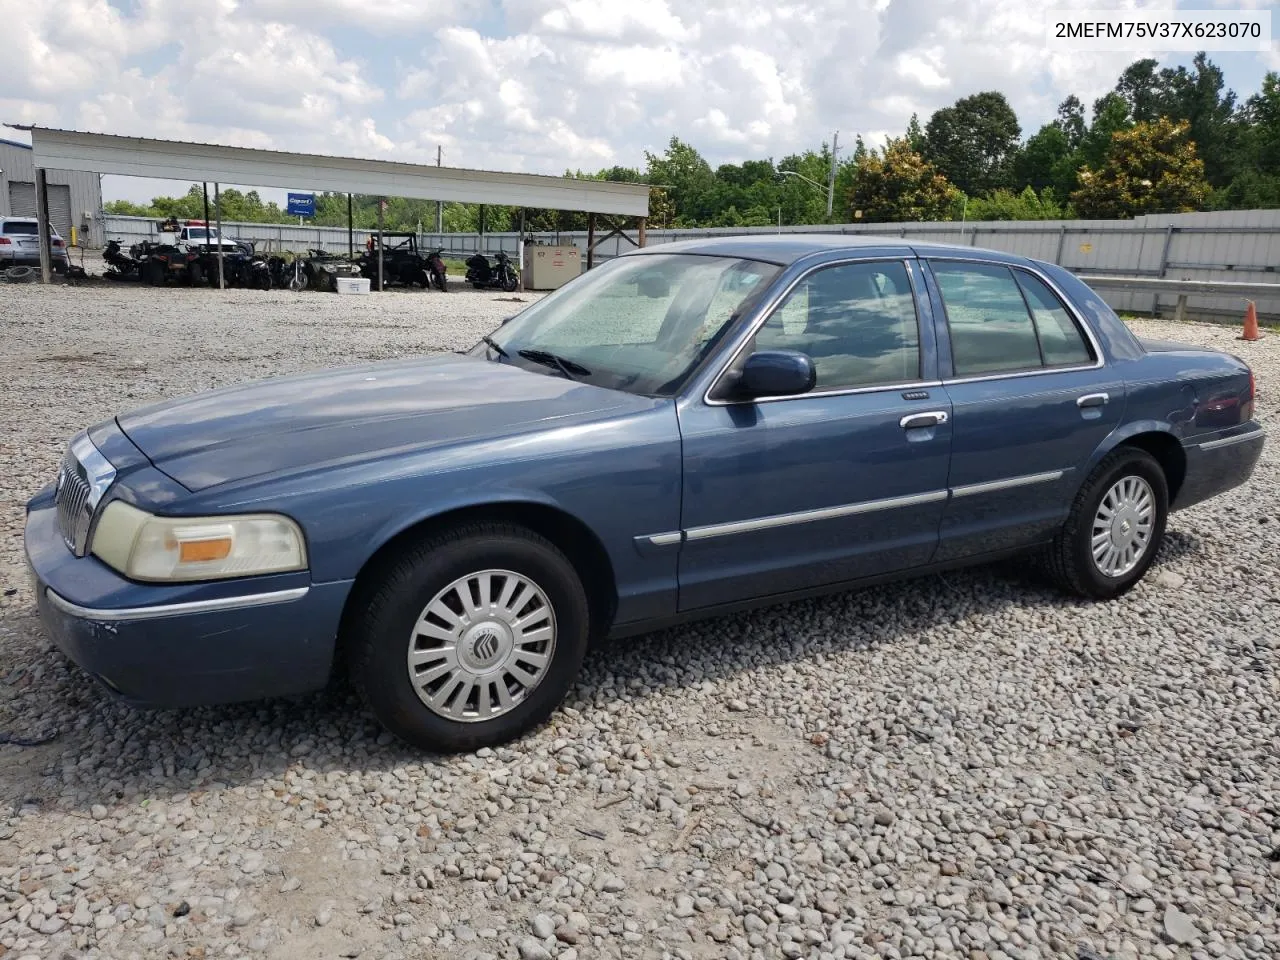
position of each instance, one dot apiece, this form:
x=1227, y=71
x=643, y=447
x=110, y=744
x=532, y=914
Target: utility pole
x=439, y=203
x=831, y=178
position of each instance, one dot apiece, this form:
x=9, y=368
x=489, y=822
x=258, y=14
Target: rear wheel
x=153, y=272
x=1115, y=526
x=196, y=274
x=469, y=639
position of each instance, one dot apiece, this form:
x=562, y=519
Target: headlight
x=145, y=547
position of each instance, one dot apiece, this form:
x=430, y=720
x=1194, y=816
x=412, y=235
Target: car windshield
x=638, y=323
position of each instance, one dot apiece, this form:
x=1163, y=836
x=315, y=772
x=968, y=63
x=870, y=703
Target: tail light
x=58, y=243
x=5, y=241
x=1246, y=409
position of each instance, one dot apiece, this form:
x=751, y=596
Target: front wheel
x=510, y=282
x=469, y=639
x=1115, y=526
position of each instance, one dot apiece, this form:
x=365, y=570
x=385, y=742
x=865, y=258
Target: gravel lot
x=964, y=766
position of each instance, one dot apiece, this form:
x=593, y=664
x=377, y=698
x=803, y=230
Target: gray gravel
x=965, y=766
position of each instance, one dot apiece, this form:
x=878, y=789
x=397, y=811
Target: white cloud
x=538, y=85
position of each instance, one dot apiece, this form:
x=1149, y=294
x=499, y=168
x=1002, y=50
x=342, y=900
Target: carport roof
x=180, y=160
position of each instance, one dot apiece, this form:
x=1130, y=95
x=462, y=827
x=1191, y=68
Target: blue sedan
x=693, y=428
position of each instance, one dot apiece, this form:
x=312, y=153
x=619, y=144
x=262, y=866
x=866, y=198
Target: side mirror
x=776, y=373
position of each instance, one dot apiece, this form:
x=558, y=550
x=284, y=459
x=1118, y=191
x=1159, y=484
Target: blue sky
x=541, y=85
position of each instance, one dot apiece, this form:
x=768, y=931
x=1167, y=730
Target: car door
x=1031, y=399
x=845, y=481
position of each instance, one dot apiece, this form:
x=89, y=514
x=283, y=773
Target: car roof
x=52, y=228
x=786, y=248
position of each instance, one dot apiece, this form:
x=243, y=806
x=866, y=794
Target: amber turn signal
x=202, y=551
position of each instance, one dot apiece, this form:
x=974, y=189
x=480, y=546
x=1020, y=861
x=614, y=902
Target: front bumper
x=183, y=645
x=1218, y=462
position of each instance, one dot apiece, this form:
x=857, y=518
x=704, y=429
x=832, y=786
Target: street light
x=827, y=188
x=812, y=183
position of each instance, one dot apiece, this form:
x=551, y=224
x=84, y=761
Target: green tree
x=1008, y=205
x=1044, y=159
x=1149, y=168
x=1071, y=121
x=973, y=142
x=915, y=136
x=687, y=177
x=1110, y=116
x=897, y=184
x=1139, y=87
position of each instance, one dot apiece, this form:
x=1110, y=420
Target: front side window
x=640, y=323
x=855, y=321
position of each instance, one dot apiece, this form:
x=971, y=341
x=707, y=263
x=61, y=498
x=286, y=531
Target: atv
x=401, y=262
x=323, y=270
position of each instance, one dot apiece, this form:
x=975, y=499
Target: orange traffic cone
x=1250, y=323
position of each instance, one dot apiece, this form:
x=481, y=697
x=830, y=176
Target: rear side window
x=1004, y=321
x=17, y=226
x=1060, y=338
x=856, y=321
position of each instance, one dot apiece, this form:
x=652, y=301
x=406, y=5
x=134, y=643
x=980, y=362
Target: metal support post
x=217, y=212
x=42, y=227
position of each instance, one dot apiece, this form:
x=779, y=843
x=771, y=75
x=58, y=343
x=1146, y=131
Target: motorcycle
x=482, y=276
x=120, y=266
x=435, y=269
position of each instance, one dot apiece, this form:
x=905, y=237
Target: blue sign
x=302, y=205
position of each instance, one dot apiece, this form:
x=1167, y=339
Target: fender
x=1125, y=432
x=462, y=501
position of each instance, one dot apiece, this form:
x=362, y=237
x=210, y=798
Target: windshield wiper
x=568, y=368
x=494, y=345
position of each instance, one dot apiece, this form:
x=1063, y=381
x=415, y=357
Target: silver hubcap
x=1122, y=527
x=481, y=645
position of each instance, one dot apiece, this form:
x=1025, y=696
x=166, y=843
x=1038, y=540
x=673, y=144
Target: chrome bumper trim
x=1228, y=441
x=175, y=609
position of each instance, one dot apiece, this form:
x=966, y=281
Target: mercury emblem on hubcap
x=485, y=647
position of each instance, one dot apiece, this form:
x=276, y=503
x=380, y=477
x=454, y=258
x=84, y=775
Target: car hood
x=352, y=413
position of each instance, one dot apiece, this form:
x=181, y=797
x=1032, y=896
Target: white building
x=75, y=198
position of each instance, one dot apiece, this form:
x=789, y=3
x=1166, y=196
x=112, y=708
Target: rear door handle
x=1092, y=400
x=930, y=418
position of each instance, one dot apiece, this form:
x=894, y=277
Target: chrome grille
x=71, y=499
x=83, y=478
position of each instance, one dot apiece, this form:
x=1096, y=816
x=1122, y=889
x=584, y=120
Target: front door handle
x=1092, y=400
x=930, y=418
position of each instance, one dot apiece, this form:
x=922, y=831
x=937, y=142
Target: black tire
x=263, y=280
x=153, y=272
x=442, y=282
x=379, y=629
x=1070, y=560
x=195, y=274
x=510, y=283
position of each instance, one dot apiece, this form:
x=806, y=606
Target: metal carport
x=179, y=160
